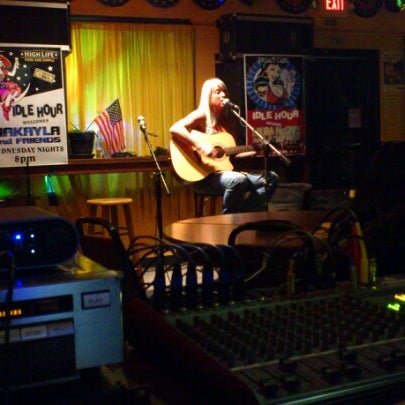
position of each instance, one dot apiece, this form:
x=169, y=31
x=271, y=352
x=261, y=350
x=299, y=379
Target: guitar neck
x=234, y=150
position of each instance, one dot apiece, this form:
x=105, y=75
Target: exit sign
x=335, y=5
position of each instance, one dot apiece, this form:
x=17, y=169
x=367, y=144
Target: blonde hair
x=205, y=107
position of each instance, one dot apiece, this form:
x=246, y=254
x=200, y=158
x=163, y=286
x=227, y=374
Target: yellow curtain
x=149, y=67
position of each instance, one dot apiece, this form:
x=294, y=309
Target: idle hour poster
x=32, y=109
x=274, y=101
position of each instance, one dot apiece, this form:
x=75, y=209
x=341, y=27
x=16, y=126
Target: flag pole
x=92, y=122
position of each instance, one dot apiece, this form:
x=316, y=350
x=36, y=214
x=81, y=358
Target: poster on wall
x=32, y=106
x=274, y=101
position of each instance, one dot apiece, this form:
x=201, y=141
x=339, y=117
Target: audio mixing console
x=333, y=346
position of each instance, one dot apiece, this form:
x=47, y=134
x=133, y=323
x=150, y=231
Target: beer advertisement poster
x=274, y=101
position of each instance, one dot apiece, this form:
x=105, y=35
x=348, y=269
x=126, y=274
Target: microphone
x=142, y=124
x=230, y=104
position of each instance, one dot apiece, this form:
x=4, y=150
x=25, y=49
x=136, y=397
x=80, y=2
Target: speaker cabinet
x=342, y=115
x=38, y=23
x=250, y=33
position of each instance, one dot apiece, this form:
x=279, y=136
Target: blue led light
x=18, y=236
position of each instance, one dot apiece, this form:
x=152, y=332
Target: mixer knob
x=388, y=363
x=290, y=382
x=231, y=359
x=307, y=346
x=269, y=355
x=332, y=374
x=347, y=355
x=399, y=356
x=324, y=344
x=288, y=365
x=333, y=336
x=269, y=388
x=391, y=331
x=358, y=338
x=242, y=350
x=351, y=370
x=250, y=356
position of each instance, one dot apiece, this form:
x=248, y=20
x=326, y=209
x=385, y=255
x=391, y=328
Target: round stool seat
x=109, y=201
x=109, y=211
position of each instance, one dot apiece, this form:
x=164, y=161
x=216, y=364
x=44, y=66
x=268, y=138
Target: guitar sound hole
x=218, y=152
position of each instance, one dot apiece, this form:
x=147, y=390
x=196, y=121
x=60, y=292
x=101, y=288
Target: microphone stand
x=266, y=145
x=29, y=199
x=159, y=177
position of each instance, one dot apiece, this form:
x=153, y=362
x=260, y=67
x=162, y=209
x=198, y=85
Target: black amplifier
x=36, y=238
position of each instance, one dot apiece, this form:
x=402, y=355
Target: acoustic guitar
x=193, y=166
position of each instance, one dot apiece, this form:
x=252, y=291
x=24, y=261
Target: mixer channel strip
x=321, y=349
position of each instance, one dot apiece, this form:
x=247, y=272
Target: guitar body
x=192, y=166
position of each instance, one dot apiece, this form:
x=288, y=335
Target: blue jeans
x=234, y=186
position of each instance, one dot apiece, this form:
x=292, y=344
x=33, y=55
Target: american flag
x=111, y=127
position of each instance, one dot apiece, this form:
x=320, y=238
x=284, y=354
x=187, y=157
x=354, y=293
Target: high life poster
x=274, y=101
x=32, y=109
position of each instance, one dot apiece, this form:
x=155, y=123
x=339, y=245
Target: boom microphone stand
x=158, y=176
x=266, y=145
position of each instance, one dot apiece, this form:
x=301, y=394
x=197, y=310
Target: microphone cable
x=7, y=262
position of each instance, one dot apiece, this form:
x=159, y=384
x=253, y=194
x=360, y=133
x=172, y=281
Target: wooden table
x=217, y=228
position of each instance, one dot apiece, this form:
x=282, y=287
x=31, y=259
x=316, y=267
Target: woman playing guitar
x=199, y=154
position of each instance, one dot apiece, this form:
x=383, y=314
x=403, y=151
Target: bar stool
x=206, y=204
x=109, y=211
